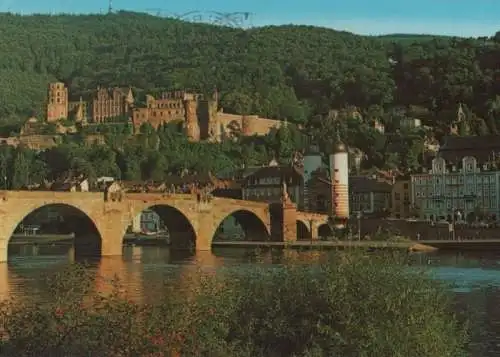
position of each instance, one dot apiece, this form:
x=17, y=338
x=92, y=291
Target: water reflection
x=147, y=274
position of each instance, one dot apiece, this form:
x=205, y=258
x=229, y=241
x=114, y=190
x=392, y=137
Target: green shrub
x=352, y=306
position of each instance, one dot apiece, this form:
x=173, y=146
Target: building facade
x=170, y=106
x=369, y=196
x=109, y=103
x=401, y=206
x=468, y=191
x=462, y=182
x=202, y=118
x=105, y=103
x=57, y=104
x=266, y=184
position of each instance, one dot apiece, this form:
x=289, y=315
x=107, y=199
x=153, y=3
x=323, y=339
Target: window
x=321, y=203
x=405, y=186
x=397, y=196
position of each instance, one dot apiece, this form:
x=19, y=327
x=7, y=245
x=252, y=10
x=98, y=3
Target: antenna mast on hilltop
x=110, y=6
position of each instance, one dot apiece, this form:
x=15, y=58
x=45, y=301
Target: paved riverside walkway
x=315, y=244
x=471, y=244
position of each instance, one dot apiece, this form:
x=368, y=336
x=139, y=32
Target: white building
x=460, y=190
x=409, y=123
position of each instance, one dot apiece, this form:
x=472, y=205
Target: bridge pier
x=112, y=226
x=314, y=230
x=3, y=250
x=203, y=243
x=283, y=222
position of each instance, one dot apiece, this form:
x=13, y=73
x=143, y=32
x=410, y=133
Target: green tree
x=285, y=144
x=21, y=169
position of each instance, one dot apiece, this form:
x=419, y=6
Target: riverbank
x=409, y=245
x=325, y=290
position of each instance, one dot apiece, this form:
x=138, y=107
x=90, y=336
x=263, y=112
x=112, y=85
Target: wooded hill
x=293, y=72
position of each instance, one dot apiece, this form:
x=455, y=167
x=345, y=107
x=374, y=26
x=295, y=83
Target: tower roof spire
x=460, y=113
x=338, y=145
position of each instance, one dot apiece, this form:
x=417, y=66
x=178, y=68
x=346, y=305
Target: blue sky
x=447, y=17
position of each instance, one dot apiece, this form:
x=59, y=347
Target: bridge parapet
x=52, y=195
x=312, y=215
x=241, y=203
x=159, y=196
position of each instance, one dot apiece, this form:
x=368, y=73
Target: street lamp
x=359, y=225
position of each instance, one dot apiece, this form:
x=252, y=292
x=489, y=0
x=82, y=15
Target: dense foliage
x=151, y=155
x=353, y=306
x=295, y=72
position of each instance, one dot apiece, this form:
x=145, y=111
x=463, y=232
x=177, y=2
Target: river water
x=144, y=271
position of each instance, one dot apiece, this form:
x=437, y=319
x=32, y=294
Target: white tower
x=312, y=162
x=339, y=175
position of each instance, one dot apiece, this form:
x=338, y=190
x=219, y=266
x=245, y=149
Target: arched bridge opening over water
x=311, y=226
x=100, y=222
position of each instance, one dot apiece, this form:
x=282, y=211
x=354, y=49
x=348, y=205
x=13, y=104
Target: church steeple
x=130, y=97
x=460, y=114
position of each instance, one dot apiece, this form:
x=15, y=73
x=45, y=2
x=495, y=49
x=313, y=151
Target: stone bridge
x=312, y=225
x=188, y=219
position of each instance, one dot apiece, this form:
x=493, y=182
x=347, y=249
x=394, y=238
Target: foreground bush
x=352, y=306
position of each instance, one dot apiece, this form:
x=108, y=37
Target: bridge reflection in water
x=145, y=274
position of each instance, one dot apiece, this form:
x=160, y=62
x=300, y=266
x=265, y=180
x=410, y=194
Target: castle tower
x=312, y=162
x=214, y=127
x=80, y=116
x=57, y=106
x=191, y=119
x=339, y=175
x=129, y=100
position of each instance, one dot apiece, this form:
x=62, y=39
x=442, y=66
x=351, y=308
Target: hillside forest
x=297, y=73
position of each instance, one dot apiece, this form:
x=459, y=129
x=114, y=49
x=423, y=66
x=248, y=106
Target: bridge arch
x=303, y=230
x=180, y=228
x=54, y=218
x=241, y=224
